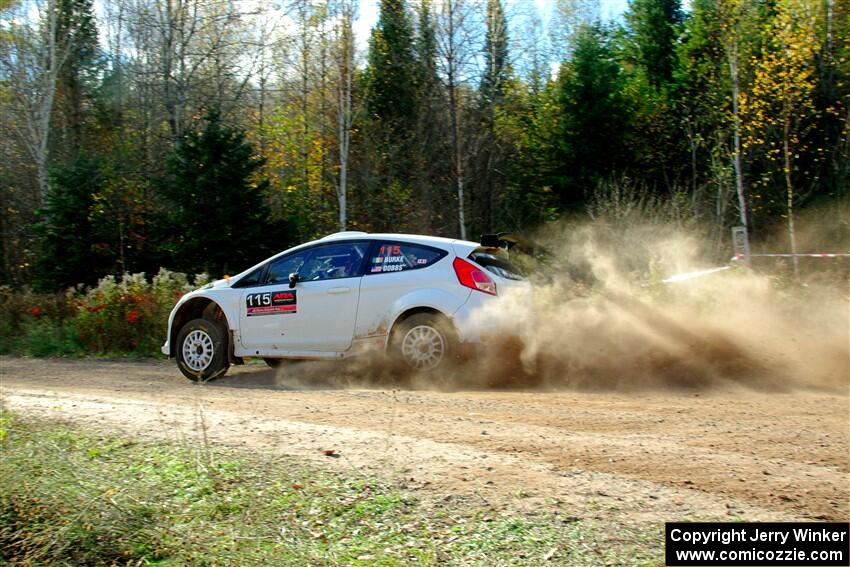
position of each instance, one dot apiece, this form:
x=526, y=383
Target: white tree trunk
x=452, y=30
x=789, y=188
x=30, y=64
x=736, y=126
x=345, y=118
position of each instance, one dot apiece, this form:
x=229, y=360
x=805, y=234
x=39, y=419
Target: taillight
x=473, y=277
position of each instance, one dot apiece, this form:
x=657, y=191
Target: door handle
x=338, y=290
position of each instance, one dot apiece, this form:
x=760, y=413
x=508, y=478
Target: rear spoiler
x=509, y=241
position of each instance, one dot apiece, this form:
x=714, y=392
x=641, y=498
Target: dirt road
x=648, y=456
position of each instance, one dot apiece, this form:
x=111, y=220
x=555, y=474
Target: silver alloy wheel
x=198, y=350
x=423, y=347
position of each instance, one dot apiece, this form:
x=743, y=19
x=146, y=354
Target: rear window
x=496, y=263
x=399, y=257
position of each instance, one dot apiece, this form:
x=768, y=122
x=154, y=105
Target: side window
x=280, y=269
x=399, y=256
x=252, y=279
x=333, y=262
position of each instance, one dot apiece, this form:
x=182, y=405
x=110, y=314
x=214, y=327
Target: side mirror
x=293, y=279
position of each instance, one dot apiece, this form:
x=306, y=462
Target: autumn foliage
x=125, y=315
x=208, y=136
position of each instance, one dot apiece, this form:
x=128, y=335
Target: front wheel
x=424, y=342
x=202, y=350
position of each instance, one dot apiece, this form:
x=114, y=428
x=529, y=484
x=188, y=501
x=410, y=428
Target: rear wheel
x=202, y=350
x=424, y=342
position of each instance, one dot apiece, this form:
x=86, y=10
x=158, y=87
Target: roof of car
x=355, y=235
x=344, y=234
x=392, y=236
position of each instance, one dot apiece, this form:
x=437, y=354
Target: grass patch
x=40, y=338
x=71, y=496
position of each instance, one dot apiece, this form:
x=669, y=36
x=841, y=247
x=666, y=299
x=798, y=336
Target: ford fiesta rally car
x=413, y=296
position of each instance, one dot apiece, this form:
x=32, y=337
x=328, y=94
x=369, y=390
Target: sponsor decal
x=271, y=303
x=390, y=258
x=389, y=250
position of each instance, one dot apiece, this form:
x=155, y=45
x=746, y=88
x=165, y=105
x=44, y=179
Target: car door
x=318, y=314
x=392, y=271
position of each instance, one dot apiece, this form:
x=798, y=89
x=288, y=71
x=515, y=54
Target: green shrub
x=129, y=315
x=126, y=316
x=45, y=316
x=8, y=337
x=45, y=337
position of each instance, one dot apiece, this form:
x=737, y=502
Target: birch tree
x=456, y=53
x=32, y=54
x=780, y=107
x=734, y=31
x=344, y=58
x=188, y=52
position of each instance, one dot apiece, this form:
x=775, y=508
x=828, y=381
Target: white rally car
x=413, y=296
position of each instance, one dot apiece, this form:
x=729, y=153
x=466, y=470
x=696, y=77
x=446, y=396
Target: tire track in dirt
x=644, y=457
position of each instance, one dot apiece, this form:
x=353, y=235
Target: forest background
x=204, y=135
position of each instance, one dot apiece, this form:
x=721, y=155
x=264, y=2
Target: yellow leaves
x=784, y=74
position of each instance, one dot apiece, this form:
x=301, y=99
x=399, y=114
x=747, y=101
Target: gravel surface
x=728, y=453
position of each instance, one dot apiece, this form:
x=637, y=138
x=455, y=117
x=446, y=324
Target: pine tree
x=595, y=124
x=659, y=149
x=430, y=144
x=392, y=80
x=496, y=67
x=426, y=49
x=70, y=250
x=391, y=103
x=654, y=24
x=218, y=214
x=77, y=29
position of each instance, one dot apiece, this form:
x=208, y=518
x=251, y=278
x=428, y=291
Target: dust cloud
x=607, y=314
x=601, y=312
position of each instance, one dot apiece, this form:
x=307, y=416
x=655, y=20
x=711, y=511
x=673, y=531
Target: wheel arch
x=407, y=314
x=198, y=308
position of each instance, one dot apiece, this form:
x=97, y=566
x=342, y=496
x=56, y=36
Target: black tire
x=424, y=342
x=202, y=350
